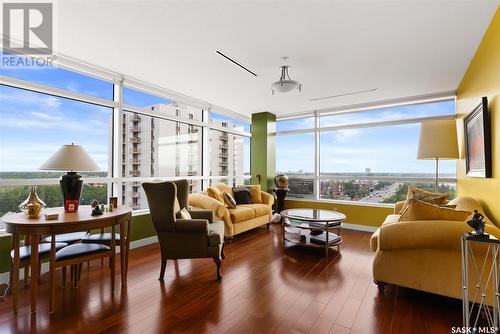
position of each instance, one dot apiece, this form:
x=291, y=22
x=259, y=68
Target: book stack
x=321, y=239
x=323, y=225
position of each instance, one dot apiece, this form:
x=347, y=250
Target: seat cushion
x=215, y=233
x=77, y=250
x=260, y=209
x=104, y=237
x=241, y=213
x=68, y=237
x=43, y=249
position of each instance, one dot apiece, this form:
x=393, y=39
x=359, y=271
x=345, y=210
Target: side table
x=480, y=281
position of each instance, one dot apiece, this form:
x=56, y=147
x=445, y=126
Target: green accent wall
x=141, y=228
x=263, y=149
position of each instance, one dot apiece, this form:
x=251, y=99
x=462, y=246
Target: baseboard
x=5, y=277
x=143, y=242
x=357, y=227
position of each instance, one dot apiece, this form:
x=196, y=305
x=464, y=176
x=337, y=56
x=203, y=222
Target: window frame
x=317, y=130
x=114, y=179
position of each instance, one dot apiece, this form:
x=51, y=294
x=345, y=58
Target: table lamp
x=438, y=140
x=71, y=158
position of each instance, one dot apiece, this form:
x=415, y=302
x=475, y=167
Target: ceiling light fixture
x=285, y=84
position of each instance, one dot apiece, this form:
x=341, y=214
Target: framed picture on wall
x=477, y=134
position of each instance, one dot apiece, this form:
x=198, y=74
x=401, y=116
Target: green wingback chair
x=198, y=237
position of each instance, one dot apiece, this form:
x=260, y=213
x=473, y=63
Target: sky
x=35, y=125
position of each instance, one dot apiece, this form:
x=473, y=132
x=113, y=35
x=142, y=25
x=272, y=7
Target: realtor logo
x=28, y=28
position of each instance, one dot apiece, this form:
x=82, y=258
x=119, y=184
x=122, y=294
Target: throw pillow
x=229, y=200
x=425, y=196
x=242, y=195
x=216, y=194
x=420, y=210
x=184, y=214
x=224, y=188
x=255, y=193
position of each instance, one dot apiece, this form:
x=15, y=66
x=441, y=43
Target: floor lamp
x=438, y=140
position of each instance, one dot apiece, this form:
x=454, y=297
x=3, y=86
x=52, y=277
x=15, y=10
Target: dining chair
x=74, y=255
x=198, y=237
x=25, y=258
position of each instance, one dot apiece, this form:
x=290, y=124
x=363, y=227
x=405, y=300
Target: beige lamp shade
x=70, y=158
x=438, y=139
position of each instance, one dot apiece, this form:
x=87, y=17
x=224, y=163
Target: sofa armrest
x=202, y=214
x=425, y=234
x=398, y=206
x=374, y=240
x=208, y=203
x=267, y=199
x=191, y=225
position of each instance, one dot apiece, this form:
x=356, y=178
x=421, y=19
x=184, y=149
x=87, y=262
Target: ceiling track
x=344, y=94
x=235, y=62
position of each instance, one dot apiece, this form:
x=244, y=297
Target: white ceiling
x=403, y=48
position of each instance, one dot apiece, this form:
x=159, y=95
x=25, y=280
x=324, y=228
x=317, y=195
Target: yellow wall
x=356, y=214
x=482, y=78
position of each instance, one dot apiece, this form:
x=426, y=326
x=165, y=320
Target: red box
x=71, y=205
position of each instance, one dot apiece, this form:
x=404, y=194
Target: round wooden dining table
x=19, y=224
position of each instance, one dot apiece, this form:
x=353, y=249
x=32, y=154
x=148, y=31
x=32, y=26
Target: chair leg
x=222, y=255
x=268, y=225
x=26, y=275
x=78, y=271
x=162, y=269
x=380, y=285
x=218, y=262
x=64, y=276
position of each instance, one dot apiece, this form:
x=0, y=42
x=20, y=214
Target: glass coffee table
x=313, y=227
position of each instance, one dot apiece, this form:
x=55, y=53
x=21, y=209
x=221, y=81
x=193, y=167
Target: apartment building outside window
x=154, y=138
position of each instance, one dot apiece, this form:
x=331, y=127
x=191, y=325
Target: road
x=379, y=195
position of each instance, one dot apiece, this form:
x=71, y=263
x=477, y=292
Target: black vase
x=71, y=188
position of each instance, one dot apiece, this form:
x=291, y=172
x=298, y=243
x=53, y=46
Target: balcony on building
x=135, y=140
x=135, y=161
x=135, y=172
x=135, y=150
x=135, y=206
x=135, y=118
x=134, y=194
x=135, y=129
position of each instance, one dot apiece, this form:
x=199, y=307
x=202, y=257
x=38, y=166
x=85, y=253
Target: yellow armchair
x=426, y=254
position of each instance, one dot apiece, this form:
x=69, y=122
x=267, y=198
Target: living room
x=249, y=167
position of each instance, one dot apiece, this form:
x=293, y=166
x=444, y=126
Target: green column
x=263, y=150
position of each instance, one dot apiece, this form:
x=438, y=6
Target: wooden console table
x=19, y=224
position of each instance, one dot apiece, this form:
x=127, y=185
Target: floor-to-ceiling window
x=363, y=156
x=135, y=133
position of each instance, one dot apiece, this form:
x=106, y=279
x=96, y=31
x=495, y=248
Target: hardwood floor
x=265, y=289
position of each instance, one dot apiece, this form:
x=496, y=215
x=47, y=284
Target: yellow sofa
x=426, y=254
x=240, y=219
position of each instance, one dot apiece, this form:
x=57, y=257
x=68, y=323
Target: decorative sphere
x=281, y=181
